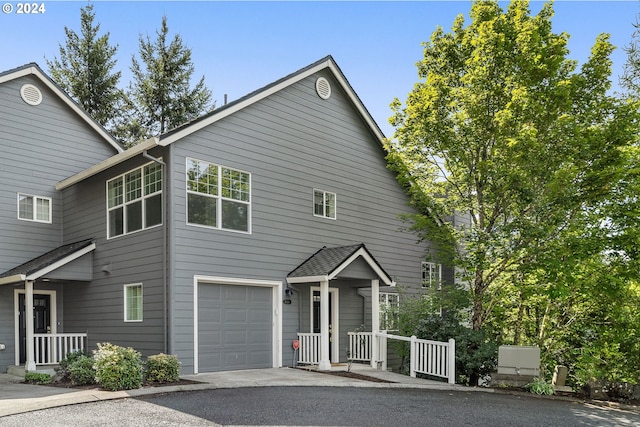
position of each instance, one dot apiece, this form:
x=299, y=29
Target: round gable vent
x=323, y=88
x=31, y=94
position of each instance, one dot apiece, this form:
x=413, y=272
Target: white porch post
x=375, y=322
x=30, y=365
x=325, y=362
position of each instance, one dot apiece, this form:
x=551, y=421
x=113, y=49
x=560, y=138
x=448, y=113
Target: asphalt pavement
x=17, y=397
x=294, y=397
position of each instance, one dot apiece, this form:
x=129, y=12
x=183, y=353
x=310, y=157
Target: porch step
x=18, y=371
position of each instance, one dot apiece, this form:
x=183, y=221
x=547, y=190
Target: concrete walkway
x=17, y=397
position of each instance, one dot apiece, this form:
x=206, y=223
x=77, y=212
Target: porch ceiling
x=328, y=263
x=48, y=262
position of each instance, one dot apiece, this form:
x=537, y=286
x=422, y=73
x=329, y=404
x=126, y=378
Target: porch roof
x=327, y=263
x=48, y=262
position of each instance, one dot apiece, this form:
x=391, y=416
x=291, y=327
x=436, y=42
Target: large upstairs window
x=134, y=200
x=218, y=196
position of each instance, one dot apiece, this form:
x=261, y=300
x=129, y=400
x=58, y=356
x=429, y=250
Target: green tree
x=504, y=128
x=161, y=89
x=630, y=79
x=85, y=70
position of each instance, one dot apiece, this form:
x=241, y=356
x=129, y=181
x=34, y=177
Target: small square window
x=324, y=204
x=34, y=208
x=133, y=303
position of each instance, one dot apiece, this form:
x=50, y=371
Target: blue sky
x=240, y=46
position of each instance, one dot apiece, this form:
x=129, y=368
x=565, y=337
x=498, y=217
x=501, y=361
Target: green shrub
x=539, y=386
x=117, y=368
x=162, y=368
x=63, y=370
x=39, y=378
x=81, y=371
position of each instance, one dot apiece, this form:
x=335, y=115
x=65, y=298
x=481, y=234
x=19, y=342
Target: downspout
x=165, y=287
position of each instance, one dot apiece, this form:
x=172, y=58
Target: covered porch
x=32, y=294
x=342, y=286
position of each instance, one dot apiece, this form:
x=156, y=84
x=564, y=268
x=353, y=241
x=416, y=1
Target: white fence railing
x=359, y=346
x=309, y=350
x=426, y=357
x=50, y=349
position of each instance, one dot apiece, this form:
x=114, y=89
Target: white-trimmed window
x=218, y=196
x=431, y=275
x=432, y=283
x=389, y=307
x=133, y=302
x=34, y=208
x=324, y=204
x=134, y=200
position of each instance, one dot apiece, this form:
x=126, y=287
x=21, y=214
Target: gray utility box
x=519, y=360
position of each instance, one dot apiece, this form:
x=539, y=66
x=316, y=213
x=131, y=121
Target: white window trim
x=438, y=279
x=324, y=204
x=125, y=287
x=384, y=313
x=35, y=203
x=219, y=197
x=124, y=203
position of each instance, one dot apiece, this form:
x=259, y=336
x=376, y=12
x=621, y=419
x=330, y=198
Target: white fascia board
x=38, y=274
x=189, y=129
x=66, y=99
x=16, y=278
x=108, y=163
x=307, y=279
x=374, y=266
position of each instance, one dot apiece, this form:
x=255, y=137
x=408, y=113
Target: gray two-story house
x=269, y=221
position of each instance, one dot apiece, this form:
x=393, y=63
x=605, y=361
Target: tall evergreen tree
x=161, y=90
x=85, y=70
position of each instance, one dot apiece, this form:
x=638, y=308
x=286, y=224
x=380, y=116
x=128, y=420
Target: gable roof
x=325, y=63
x=34, y=70
x=43, y=264
x=327, y=263
x=180, y=132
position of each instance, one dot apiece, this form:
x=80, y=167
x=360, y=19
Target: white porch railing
x=50, y=349
x=426, y=357
x=309, y=350
x=359, y=346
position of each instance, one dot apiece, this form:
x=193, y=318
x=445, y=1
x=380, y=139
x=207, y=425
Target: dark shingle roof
x=329, y=262
x=51, y=257
x=325, y=261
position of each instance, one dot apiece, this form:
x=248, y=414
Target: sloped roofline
x=332, y=269
x=34, y=70
x=188, y=128
x=46, y=263
x=325, y=63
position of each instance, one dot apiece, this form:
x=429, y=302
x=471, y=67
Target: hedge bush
x=162, y=368
x=39, y=378
x=81, y=371
x=117, y=368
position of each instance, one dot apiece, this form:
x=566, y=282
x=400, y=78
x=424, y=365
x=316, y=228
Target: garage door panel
x=234, y=327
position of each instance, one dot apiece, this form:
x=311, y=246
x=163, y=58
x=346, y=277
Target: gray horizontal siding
x=291, y=143
x=41, y=145
x=135, y=258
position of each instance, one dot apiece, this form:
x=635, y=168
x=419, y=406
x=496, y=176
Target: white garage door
x=234, y=327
